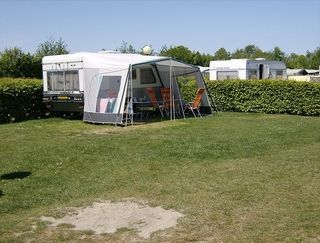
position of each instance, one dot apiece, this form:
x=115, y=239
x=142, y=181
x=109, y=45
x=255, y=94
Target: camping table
x=143, y=105
x=177, y=106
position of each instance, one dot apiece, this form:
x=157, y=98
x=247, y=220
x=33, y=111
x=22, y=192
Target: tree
x=251, y=52
x=14, y=63
x=181, y=53
x=315, y=59
x=277, y=54
x=48, y=48
x=125, y=48
x=239, y=53
x=51, y=47
x=222, y=54
x=206, y=58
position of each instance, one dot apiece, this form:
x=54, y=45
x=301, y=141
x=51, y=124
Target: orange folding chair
x=195, y=105
x=153, y=98
x=165, y=93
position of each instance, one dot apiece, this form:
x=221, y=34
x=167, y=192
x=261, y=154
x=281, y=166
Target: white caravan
x=102, y=85
x=247, y=69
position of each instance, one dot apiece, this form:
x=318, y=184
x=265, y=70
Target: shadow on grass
x=1, y=193
x=15, y=175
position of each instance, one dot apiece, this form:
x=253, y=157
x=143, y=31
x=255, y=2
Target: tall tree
x=239, y=53
x=277, y=54
x=181, y=53
x=52, y=47
x=222, y=54
x=126, y=48
x=48, y=48
x=250, y=51
x=315, y=59
x=14, y=63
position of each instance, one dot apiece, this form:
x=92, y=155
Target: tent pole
x=173, y=100
x=212, y=103
x=131, y=94
x=128, y=100
x=179, y=94
x=170, y=73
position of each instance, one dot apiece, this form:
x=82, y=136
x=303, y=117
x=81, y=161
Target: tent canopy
x=108, y=92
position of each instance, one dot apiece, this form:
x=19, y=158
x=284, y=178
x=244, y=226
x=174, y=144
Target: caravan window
x=55, y=81
x=252, y=74
x=222, y=75
x=72, y=80
x=63, y=80
x=147, y=76
x=279, y=74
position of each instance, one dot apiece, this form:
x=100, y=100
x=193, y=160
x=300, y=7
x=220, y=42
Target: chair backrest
x=197, y=99
x=165, y=92
x=153, y=98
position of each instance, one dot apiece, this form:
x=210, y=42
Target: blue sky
x=201, y=25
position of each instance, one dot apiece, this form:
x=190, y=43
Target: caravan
x=104, y=85
x=247, y=69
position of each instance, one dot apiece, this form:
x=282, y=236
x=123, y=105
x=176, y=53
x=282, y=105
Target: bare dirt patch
x=108, y=217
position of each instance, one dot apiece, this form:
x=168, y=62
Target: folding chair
x=153, y=98
x=165, y=93
x=195, y=105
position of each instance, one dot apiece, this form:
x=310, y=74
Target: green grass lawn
x=235, y=176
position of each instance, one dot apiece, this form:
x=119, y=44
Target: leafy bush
x=20, y=99
x=265, y=96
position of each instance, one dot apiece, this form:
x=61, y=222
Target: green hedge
x=265, y=96
x=20, y=99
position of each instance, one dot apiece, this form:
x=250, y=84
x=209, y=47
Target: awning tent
x=113, y=82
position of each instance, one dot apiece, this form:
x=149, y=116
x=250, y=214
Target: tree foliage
x=184, y=54
x=126, y=48
x=222, y=54
x=52, y=47
x=15, y=63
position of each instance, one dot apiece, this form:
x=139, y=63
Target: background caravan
x=103, y=84
x=247, y=69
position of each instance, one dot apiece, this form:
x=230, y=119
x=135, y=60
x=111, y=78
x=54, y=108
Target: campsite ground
x=235, y=176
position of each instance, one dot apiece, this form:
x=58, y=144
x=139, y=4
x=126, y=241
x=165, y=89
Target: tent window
x=63, y=81
x=134, y=73
x=108, y=93
x=147, y=76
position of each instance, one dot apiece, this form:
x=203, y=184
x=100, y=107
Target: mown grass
x=235, y=176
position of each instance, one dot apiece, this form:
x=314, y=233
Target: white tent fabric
x=108, y=81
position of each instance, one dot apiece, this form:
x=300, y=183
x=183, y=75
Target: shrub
x=265, y=96
x=20, y=99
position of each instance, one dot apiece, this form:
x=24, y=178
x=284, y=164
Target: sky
x=203, y=25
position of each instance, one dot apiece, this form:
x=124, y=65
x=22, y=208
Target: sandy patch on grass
x=108, y=217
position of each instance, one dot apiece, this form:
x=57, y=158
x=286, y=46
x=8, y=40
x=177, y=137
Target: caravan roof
x=244, y=63
x=112, y=61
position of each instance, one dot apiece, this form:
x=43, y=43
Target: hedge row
x=20, y=99
x=264, y=96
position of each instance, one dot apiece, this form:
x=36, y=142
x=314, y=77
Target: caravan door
x=263, y=71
